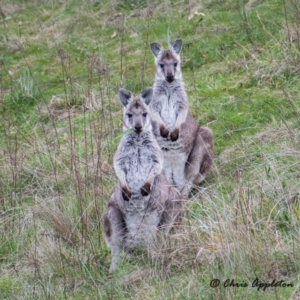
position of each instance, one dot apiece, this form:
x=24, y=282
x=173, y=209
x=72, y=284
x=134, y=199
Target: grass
x=60, y=123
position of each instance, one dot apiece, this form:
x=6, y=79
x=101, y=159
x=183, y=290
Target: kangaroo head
x=136, y=112
x=167, y=61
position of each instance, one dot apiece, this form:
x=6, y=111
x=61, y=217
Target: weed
x=60, y=123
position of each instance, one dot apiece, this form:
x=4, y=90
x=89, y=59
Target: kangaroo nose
x=170, y=78
x=138, y=128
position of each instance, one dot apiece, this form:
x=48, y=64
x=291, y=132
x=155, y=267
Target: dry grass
x=60, y=127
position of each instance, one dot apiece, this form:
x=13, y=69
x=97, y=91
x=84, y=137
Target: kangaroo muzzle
x=138, y=128
x=170, y=78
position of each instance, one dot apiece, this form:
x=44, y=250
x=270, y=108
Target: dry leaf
x=191, y=16
x=114, y=35
x=87, y=103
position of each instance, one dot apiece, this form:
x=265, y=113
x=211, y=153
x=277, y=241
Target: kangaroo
x=143, y=201
x=187, y=147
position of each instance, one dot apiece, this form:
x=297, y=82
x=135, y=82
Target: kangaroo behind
x=143, y=202
x=187, y=147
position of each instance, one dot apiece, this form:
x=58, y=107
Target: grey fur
x=143, y=202
x=187, y=147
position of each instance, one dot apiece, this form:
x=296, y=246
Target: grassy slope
x=61, y=66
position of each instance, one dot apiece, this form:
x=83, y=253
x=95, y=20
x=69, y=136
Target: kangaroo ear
x=125, y=96
x=146, y=95
x=156, y=48
x=177, y=46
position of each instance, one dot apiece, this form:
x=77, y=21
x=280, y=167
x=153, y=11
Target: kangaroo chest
x=137, y=166
x=168, y=111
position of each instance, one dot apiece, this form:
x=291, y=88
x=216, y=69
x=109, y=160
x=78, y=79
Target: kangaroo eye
x=175, y=65
x=145, y=114
x=129, y=115
x=161, y=65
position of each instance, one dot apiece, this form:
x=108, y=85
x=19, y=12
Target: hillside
x=62, y=63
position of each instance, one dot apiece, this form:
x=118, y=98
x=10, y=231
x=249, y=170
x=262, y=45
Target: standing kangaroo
x=143, y=200
x=187, y=147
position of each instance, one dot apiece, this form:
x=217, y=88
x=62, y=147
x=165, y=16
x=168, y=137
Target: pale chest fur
x=136, y=157
x=167, y=101
x=168, y=112
x=167, y=98
x=137, y=164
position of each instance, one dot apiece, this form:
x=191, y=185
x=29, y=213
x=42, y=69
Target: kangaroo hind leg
x=200, y=160
x=207, y=145
x=114, y=228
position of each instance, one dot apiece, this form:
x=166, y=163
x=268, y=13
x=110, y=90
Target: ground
x=62, y=63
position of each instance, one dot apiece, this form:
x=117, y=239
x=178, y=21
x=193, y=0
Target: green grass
x=62, y=64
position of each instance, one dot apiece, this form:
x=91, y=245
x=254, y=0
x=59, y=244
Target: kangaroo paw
x=146, y=189
x=164, y=132
x=126, y=194
x=175, y=135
